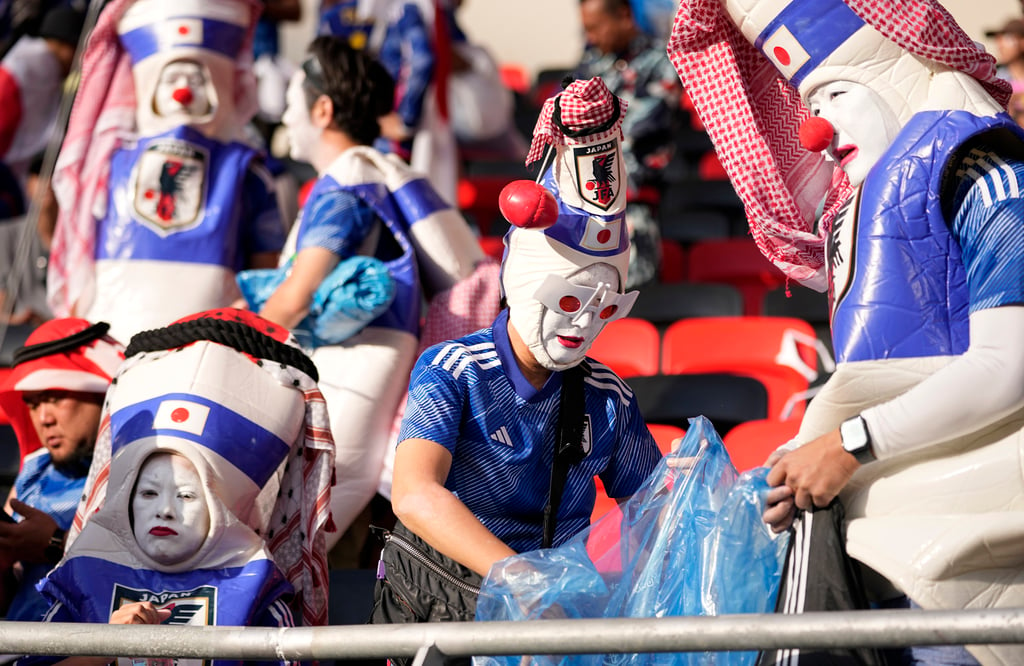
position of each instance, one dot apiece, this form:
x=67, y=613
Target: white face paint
x=865, y=126
x=576, y=309
x=171, y=519
x=303, y=135
x=182, y=88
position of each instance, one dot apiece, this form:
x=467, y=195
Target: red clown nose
x=528, y=204
x=816, y=134
x=182, y=96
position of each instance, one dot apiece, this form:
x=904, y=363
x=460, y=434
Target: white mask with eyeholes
x=575, y=310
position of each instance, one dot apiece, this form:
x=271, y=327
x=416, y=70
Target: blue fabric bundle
x=356, y=292
x=690, y=542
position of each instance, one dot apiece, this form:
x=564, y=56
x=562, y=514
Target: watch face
x=856, y=441
x=853, y=434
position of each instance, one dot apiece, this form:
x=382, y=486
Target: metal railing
x=876, y=628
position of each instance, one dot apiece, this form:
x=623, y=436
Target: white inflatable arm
x=983, y=385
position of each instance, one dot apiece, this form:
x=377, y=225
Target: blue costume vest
x=91, y=589
x=175, y=197
x=899, y=287
x=398, y=210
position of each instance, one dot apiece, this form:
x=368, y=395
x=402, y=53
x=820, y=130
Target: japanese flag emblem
x=182, y=31
x=183, y=415
x=602, y=235
x=785, y=52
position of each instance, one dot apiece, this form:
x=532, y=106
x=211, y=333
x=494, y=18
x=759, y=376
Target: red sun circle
x=182, y=29
x=604, y=236
x=782, y=55
x=179, y=415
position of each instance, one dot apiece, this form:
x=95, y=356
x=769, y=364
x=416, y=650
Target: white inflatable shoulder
x=446, y=248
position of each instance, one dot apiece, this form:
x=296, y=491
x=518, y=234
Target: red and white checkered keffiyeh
x=102, y=116
x=583, y=104
x=753, y=115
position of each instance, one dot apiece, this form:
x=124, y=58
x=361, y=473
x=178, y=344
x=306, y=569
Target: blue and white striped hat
x=152, y=27
x=812, y=42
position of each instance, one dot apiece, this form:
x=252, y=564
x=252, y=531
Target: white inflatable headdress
x=574, y=216
x=746, y=64
x=236, y=396
x=812, y=42
x=155, y=33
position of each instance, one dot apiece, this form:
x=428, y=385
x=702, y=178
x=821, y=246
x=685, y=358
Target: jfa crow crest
x=596, y=170
x=169, y=186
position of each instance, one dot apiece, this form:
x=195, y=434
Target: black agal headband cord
x=73, y=341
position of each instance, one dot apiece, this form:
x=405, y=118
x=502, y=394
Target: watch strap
x=54, y=550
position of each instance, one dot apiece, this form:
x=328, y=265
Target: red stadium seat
x=631, y=347
x=673, y=262
x=735, y=261
x=749, y=444
x=780, y=352
x=665, y=434
x=493, y=246
x=515, y=78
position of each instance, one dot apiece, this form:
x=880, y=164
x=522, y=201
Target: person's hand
x=29, y=538
x=782, y=450
x=392, y=127
x=814, y=475
x=140, y=612
x=684, y=463
x=780, y=510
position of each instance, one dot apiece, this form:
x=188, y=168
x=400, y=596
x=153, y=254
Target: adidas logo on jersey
x=501, y=436
x=455, y=357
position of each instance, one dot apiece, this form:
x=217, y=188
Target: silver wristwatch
x=857, y=439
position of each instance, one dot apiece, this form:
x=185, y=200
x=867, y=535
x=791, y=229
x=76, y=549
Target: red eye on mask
x=609, y=311
x=569, y=303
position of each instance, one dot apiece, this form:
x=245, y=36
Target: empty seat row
x=782, y=353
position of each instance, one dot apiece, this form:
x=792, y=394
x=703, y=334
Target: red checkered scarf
x=753, y=114
x=583, y=104
x=103, y=115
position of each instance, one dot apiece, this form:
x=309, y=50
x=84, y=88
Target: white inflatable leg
x=363, y=381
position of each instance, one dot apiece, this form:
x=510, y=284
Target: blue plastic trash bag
x=690, y=542
x=356, y=292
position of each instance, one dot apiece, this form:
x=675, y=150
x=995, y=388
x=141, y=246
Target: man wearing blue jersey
x=364, y=204
x=473, y=470
x=53, y=398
